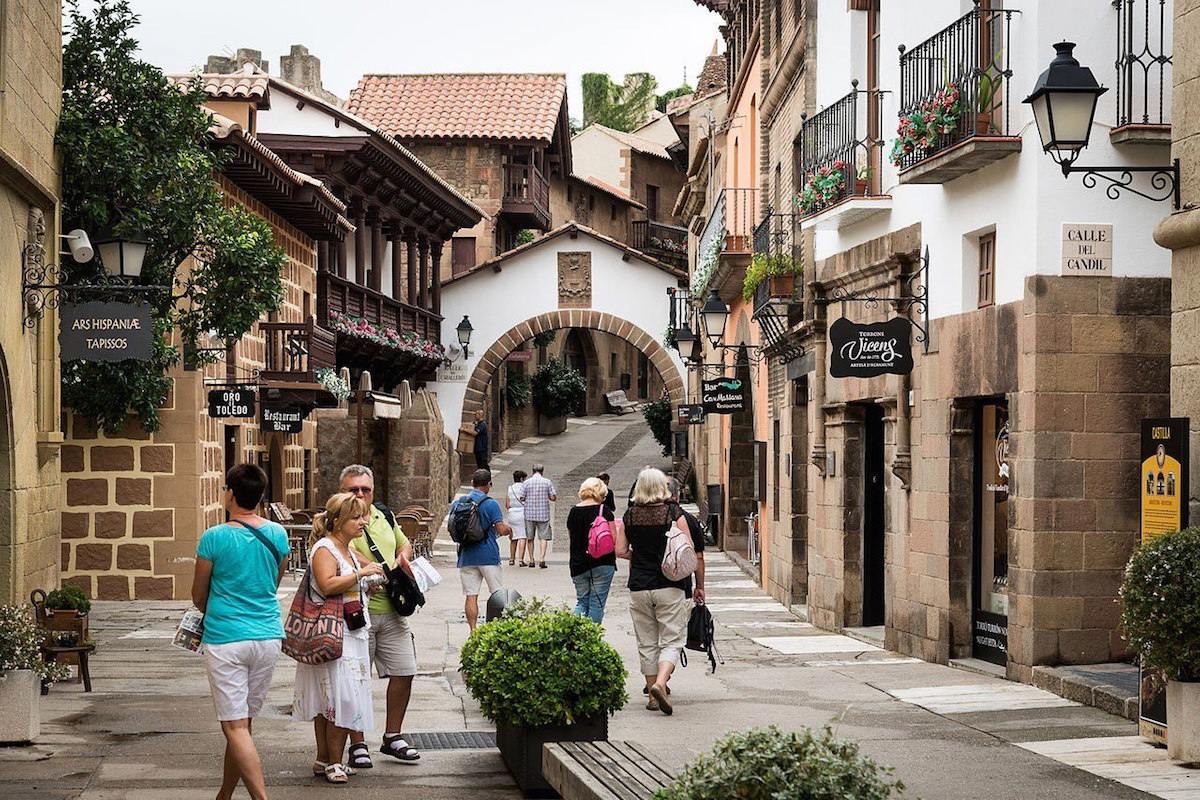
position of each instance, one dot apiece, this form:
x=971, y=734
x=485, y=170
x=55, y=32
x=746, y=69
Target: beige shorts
x=239, y=674
x=538, y=530
x=391, y=646
x=473, y=577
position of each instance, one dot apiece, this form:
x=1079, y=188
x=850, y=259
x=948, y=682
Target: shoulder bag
x=401, y=588
x=314, y=629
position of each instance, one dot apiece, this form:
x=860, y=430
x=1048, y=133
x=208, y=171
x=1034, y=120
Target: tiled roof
x=238, y=86
x=462, y=106
x=608, y=189
x=638, y=143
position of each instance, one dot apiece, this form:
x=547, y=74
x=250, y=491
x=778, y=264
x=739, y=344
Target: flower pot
x=860, y=188
x=782, y=285
x=983, y=124
x=1183, y=721
x=551, y=426
x=521, y=749
x=21, y=720
x=66, y=619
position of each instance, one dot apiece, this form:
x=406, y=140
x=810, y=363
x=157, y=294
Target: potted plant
x=862, y=180
x=779, y=269
x=66, y=609
x=768, y=763
x=1160, y=612
x=823, y=188
x=558, y=390
x=21, y=672
x=542, y=675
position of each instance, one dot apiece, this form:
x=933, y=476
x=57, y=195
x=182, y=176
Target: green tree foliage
x=1160, y=603
x=658, y=416
x=138, y=160
x=622, y=107
x=666, y=97
x=558, y=389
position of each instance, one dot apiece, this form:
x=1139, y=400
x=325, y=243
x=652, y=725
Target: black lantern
x=122, y=256
x=690, y=347
x=714, y=314
x=1064, y=105
x=464, y=330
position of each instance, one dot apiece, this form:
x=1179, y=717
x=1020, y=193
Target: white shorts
x=473, y=577
x=239, y=674
x=392, y=646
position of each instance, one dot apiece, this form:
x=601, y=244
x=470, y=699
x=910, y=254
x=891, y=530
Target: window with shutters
x=651, y=202
x=987, y=269
x=462, y=254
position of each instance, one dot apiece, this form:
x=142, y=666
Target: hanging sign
x=1164, y=483
x=102, y=331
x=723, y=396
x=870, y=349
x=232, y=402
x=691, y=414
x=282, y=419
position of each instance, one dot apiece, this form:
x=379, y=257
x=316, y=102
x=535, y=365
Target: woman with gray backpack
x=663, y=554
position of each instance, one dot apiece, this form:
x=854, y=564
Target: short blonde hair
x=339, y=508
x=651, y=487
x=593, y=489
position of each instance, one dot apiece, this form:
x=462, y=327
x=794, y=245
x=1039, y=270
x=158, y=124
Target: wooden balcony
x=296, y=350
x=526, y=200
x=667, y=243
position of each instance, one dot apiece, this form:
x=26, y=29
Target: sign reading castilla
x=723, y=396
x=100, y=331
x=870, y=349
x=283, y=419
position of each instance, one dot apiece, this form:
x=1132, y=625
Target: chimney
x=224, y=65
x=303, y=70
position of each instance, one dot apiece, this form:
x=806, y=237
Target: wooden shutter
x=462, y=254
x=987, y=269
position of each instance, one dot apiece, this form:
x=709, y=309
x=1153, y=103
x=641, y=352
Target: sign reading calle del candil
x=866, y=350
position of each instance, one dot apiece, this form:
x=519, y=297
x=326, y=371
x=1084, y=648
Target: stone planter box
x=521, y=749
x=21, y=720
x=551, y=426
x=1183, y=721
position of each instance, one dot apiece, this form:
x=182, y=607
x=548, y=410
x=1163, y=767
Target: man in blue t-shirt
x=481, y=562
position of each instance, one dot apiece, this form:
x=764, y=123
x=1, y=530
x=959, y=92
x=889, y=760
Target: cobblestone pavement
x=147, y=732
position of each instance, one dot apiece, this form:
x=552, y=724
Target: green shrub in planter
x=20, y=643
x=771, y=764
x=658, y=416
x=69, y=598
x=558, y=389
x=1160, y=604
x=540, y=668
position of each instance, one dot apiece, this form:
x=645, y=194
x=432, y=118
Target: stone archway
x=491, y=361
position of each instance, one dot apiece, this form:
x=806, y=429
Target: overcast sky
x=353, y=37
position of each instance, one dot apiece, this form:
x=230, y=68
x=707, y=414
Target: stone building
x=30, y=431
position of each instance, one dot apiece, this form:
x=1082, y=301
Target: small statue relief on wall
x=574, y=280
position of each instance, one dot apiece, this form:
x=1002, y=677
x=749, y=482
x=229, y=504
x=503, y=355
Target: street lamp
x=122, y=256
x=714, y=314
x=464, y=330
x=1064, y=105
x=690, y=346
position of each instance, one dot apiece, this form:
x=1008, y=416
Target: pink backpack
x=600, y=536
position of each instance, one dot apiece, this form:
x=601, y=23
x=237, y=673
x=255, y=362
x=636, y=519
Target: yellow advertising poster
x=1163, y=492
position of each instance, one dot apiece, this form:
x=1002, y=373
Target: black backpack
x=701, y=634
x=466, y=525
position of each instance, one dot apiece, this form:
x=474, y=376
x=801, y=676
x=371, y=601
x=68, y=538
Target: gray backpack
x=466, y=524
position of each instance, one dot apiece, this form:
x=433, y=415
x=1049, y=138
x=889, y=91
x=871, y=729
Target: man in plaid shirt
x=536, y=493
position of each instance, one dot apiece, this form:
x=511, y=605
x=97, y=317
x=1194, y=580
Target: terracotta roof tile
x=639, y=143
x=462, y=106
x=238, y=86
x=607, y=188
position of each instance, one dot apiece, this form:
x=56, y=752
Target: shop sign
x=691, y=414
x=871, y=349
x=232, y=402
x=520, y=355
x=283, y=419
x=102, y=331
x=723, y=395
x=1164, y=483
x=1087, y=249
x=990, y=633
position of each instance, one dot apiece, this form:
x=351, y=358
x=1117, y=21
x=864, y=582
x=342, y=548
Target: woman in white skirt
x=336, y=695
x=515, y=517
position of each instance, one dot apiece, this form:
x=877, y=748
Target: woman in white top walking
x=336, y=695
x=515, y=517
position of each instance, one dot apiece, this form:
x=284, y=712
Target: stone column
x=376, y=275
x=436, y=250
x=360, y=246
x=410, y=239
x=397, y=266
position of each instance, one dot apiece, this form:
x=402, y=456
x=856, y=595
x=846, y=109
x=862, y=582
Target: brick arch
x=490, y=361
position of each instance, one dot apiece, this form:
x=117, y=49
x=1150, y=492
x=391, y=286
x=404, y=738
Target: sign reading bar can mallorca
x=722, y=395
x=282, y=419
x=232, y=402
x=1087, y=249
x=1164, y=483
x=870, y=349
x=101, y=331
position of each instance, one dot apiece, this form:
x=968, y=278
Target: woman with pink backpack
x=592, y=527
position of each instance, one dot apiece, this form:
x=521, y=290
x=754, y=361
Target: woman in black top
x=592, y=576
x=659, y=607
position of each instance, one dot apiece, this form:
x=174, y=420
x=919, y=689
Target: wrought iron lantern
x=464, y=329
x=122, y=256
x=715, y=315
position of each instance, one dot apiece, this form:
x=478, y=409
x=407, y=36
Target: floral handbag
x=313, y=630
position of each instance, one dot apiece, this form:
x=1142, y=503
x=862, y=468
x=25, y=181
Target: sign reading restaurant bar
x=102, y=331
x=871, y=349
x=1164, y=483
x=1087, y=249
x=232, y=402
x=283, y=419
x=722, y=395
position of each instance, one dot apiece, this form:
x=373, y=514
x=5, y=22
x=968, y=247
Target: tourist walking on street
x=480, y=562
x=537, y=493
x=610, y=498
x=592, y=575
x=238, y=568
x=336, y=695
x=515, y=517
x=482, y=442
x=659, y=606
x=390, y=642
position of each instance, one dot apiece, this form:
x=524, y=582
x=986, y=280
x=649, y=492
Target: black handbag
x=400, y=587
x=701, y=634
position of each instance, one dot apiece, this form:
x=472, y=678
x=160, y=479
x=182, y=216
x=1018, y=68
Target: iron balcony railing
x=970, y=56
x=843, y=139
x=778, y=249
x=1143, y=62
x=667, y=243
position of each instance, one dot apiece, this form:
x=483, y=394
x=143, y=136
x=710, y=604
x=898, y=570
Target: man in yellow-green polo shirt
x=392, y=645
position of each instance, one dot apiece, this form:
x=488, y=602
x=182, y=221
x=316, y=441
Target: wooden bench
x=619, y=403
x=603, y=770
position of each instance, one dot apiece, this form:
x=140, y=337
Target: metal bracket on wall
x=43, y=286
x=914, y=294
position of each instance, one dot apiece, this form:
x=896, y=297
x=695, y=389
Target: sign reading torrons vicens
x=100, y=331
x=870, y=349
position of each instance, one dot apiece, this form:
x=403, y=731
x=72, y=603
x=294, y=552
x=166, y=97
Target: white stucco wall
x=1024, y=197
x=527, y=286
x=595, y=154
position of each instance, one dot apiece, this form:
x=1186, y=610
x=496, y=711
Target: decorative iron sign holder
x=914, y=293
x=42, y=285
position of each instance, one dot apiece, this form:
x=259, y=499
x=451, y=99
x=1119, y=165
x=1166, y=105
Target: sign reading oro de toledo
x=103, y=331
x=1087, y=249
